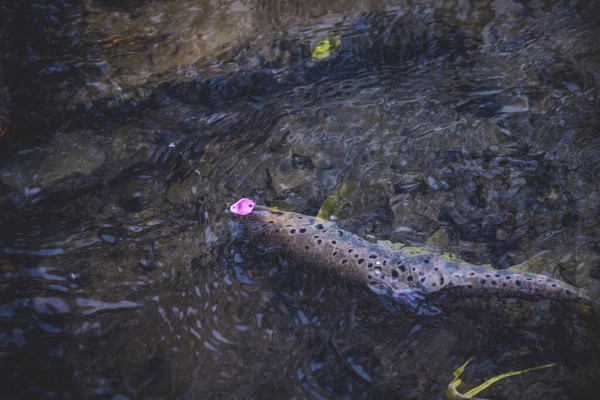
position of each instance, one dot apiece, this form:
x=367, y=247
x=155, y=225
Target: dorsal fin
x=334, y=205
x=538, y=264
x=386, y=244
x=439, y=239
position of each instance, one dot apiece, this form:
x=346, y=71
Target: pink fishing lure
x=243, y=206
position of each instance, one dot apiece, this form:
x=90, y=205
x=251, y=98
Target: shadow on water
x=125, y=129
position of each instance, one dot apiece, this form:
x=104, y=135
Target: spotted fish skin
x=397, y=273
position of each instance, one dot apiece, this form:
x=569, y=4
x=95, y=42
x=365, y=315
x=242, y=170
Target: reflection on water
x=126, y=129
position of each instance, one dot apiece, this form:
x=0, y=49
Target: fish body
x=409, y=274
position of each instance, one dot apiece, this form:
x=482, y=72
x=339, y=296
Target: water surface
x=127, y=129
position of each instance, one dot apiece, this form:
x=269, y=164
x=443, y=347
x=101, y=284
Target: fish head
x=278, y=226
x=272, y=218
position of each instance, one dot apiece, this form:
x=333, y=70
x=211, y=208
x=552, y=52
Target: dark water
x=127, y=127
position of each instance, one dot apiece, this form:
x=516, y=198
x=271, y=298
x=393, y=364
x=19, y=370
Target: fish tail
x=547, y=287
x=510, y=282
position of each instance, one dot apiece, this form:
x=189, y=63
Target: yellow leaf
x=452, y=392
x=489, y=382
x=325, y=47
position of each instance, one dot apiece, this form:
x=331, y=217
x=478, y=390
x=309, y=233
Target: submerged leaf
x=452, y=392
x=490, y=381
x=325, y=47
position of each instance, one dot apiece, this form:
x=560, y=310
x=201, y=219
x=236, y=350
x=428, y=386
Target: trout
x=408, y=275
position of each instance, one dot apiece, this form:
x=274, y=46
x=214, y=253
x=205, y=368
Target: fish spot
x=306, y=247
x=504, y=284
x=369, y=276
x=333, y=242
x=303, y=230
x=319, y=226
x=423, y=280
x=433, y=284
x=518, y=283
x=292, y=231
x=471, y=273
x=402, y=266
x=426, y=261
x=344, y=261
x=442, y=281
x=271, y=222
x=316, y=236
x=356, y=256
x=373, y=256
x=436, y=269
x=528, y=279
x=350, y=250
x=319, y=241
x=497, y=275
x=362, y=260
x=341, y=233
x=335, y=253
x=494, y=283
x=410, y=278
x=508, y=277
x=414, y=268
x=300, y=217
x=276, y=230
x=384, y=262
x=370, y=265
x=325, y=231
x=395, y=274
x=482, y=281
x=289, y=225
x=488, y=276
x=554, y=285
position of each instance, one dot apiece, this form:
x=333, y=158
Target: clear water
x=126, y=129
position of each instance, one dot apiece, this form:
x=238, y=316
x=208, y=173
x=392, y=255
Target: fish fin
x=334, y=205
x=415, y=251
x=452, y=392
x=439, y=239
x=413, y=299
x=535, y=265
x=386, y=244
